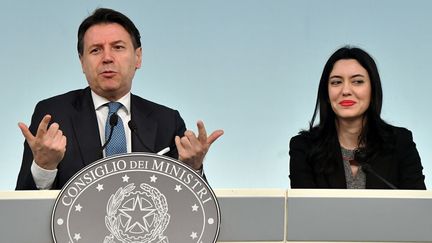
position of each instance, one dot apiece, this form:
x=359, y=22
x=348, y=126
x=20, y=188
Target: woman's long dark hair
x=375, y=133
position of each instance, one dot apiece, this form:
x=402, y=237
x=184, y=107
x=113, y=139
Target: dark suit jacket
x=74, y=111
x=401, y=167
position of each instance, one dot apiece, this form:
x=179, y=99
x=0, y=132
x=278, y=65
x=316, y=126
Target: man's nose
x=107, y=56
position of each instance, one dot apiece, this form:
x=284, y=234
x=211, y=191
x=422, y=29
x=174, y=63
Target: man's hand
x=49, y=144
x=192, y=149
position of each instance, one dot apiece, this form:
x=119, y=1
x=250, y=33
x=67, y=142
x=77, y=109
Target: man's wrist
x=43, y=178
x=200, y=170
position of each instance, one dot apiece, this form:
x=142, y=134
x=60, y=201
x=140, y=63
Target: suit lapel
x=86, y=129
x=146, y=127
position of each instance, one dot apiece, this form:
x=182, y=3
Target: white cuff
x=43, y=178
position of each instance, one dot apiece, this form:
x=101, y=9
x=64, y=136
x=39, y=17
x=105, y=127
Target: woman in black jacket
x=351, y=146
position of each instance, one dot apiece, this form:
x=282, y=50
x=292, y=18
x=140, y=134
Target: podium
x=359, y=215
x=266, y=215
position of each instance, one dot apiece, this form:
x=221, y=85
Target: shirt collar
x=99, y=101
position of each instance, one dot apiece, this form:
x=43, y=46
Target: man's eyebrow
x=111, y=43
x=117, y=42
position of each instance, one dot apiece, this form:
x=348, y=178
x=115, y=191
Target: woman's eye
x=335, y=82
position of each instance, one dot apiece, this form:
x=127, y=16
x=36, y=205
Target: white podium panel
x=359, y=216
x=265, y=215
x=26, y=216
x=252, y=215
x=246, y=215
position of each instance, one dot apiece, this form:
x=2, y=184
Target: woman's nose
x=346, y=89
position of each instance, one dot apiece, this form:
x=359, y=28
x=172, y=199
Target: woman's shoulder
x=298, y=139
x=400, y=132
x=399, y=136
x=303, y=138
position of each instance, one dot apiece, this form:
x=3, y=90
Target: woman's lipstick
x=347, y=102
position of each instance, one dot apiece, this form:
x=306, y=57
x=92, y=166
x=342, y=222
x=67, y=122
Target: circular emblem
x=136, y=198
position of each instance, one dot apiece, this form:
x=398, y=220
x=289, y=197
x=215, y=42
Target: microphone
x=113, y=122
x=134, y=129
x=361, y=157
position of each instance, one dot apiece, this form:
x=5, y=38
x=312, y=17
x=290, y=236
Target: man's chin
x=110, y=93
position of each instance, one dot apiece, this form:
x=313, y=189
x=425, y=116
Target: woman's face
x=349, y=89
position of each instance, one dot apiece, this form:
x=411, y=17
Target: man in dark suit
x=67, y=131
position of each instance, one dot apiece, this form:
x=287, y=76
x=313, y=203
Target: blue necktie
x=117, y=145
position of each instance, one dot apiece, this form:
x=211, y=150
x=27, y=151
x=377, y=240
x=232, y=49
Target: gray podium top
x=266, y=215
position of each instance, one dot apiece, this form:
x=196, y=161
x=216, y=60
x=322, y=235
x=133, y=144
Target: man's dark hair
x=107, y=16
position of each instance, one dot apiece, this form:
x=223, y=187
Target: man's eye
x=94, y=50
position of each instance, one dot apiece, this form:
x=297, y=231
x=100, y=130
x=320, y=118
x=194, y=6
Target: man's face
x=109, y=60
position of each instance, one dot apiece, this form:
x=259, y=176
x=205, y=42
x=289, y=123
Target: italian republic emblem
x=136, y=198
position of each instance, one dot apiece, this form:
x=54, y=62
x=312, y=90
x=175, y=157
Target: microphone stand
x=113, y=122
x=361, y=157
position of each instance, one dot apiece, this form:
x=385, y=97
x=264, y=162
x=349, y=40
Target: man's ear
x=81, y=61
x=138, y=54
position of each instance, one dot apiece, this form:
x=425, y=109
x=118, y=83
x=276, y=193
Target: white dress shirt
x=45, y=178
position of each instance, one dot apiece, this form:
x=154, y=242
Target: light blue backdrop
x=250, y=67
